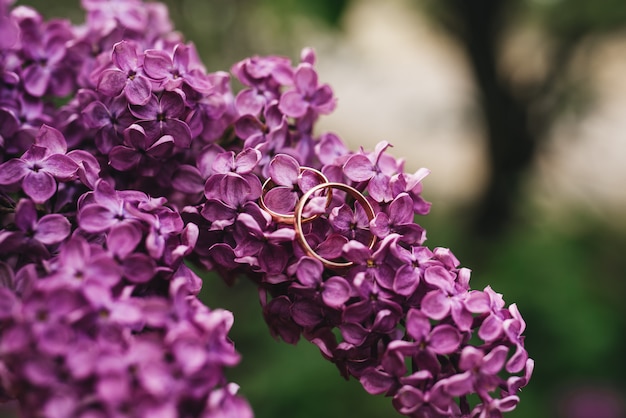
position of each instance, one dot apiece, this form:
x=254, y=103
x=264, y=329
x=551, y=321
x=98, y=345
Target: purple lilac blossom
x=153, y=163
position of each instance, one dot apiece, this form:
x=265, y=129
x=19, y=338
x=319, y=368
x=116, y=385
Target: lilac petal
x=223, y=255
x=379, y=189
x=273, y=259
x=247, y=125
x=123, y=158
x=162, y=147
x=123, y=239
x=357, y=252
x=309, y=271
x=156, y=64
x=444, y=339
x=9, y=32
x=51, y=138
x=36, y=80
x=353, y=333
x=417, y=325
x=60, y=166
x=436, y=305
x=406, y=280
x=199, y=81
x=358, y=311
x=411, y=233
x=459, y=384
x=284, y=170
x=293, y=104
x=25, y=215
x=139, y=268
x=306, y=313
x=111, y=82
x=180, y=57
x=305, y=79
x=52, y=229
x=187, y=179
x=281, y=199
x=380, y=225
x=408, y=399
x=249, y=102
x=13, y=171
x=477, y=302
x=491, y=328
x=471, y=358
x=125, y=56
x=330, y=148
x=39, y=186
x=439, y=277
x=96, y=115
x=35, y=154
x=104, y=271
x=323, y=100
x=247, y=160
x=401, y=209
x=95, y=218
x=376, y=382
x=235, y=189
x=138, y=90
x=336, y=292
x=494, y=361
x=148, y=111
x=332, y=247
x=358, y=168
x=506, y=404
x=179, y=130
x=461, y=316
x=517, y=362
x=224, y=162
x=173, y=104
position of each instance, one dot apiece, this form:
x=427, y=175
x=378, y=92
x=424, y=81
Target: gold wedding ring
x=298, y=221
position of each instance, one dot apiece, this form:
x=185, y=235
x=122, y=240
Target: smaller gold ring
x=358, y=196
x=288, y=218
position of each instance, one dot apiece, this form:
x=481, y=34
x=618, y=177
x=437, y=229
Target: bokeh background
x=518, y=108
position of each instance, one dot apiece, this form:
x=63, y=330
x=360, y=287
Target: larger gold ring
x=288, y=218
x=298, y=221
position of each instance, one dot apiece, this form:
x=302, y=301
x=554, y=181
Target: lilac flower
x=126, y=77
x=307, y=94
x=109, y=121
x=161, y=116
x=374, y=168
x=334, y=292
x=139, y=151
x=442, y=339
x=108, y=209
x=171, y=71
x=479, y=371
x=38, y=171
x=105, y=15
x=399, y=219
x=33, y=234
x=264, y=76
x=43, y=44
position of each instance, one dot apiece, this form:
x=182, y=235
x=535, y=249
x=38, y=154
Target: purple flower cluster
x=122, y=161
x=99, y=316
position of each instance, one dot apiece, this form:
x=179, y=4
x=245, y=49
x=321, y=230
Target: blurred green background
x=516, y=214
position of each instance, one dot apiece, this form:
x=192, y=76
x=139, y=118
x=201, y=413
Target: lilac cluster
x=99, y=315
x=122, y=161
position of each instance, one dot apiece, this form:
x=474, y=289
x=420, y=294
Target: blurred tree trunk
x=517, y=118
x=511, y=141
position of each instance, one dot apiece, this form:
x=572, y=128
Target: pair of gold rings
x=297, y=218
